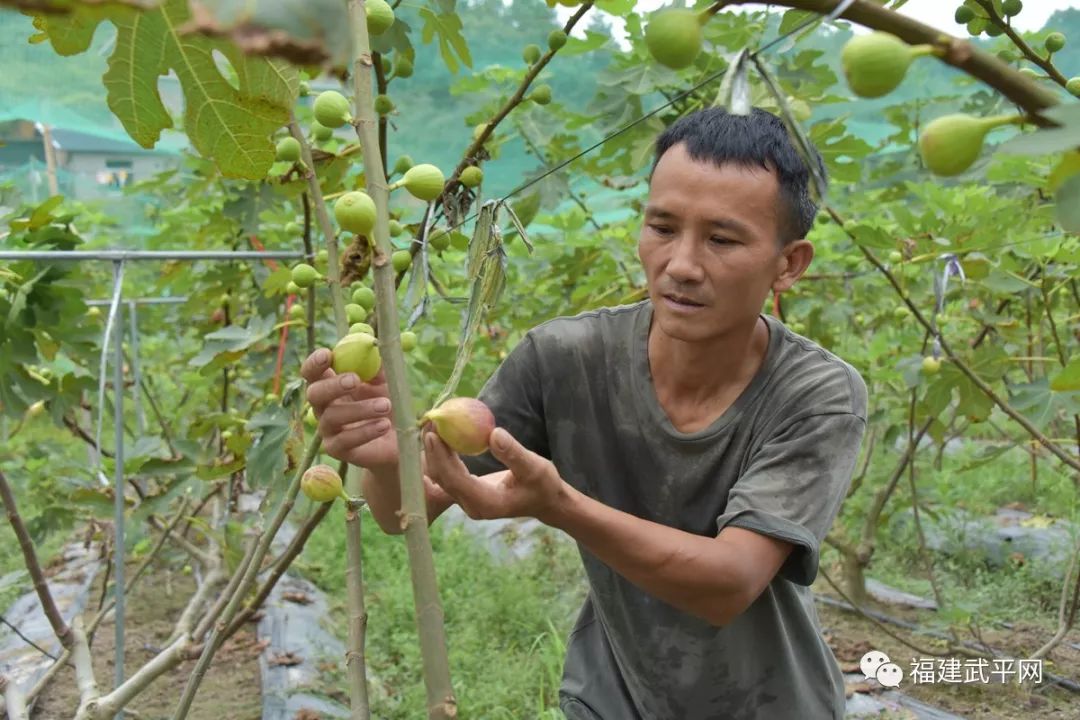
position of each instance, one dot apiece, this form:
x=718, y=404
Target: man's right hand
x=354, y=416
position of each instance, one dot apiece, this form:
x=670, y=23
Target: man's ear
x=794, y=259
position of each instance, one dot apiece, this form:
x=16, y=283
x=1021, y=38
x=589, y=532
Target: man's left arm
x=777, y=514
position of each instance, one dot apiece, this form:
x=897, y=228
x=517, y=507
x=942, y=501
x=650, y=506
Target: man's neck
x=685, y=373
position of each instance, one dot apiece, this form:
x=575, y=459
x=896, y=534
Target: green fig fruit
x=402, y=165
x=951, y=144
x=361, y=327
x=384, y=105
x=556, y=39
x=404, y=67
x=357, y=353
x=364, y=297
x=305, y=275
x=1073, y=85
x=355, y=313
x=471, y=176
x=396, y=228
x=304, y=88
x=895, y=256
x=964, y=15
x=875, y=64
x=1054, y=42
x=531, y=54
x=439, y=238
x=1012, y=8
x=321, y=483
x=297, y=312
x=331, y=109
x=424, y=181
x=673, y=37
x=309, y=416
x=320, y=132
x=930, y=365
x=465, y=424
x=355, y=212
x=380, y=16
x=900, y=312
x=541, y=95
x=288, y=150
x=401, y=260
x=292, y=288
x=408, y=341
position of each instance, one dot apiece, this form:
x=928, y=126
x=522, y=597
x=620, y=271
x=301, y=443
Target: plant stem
x=441, y=702
x=84, y=664
x=15, y=701
x=1021, y=45
x=988, y=68
x=355, y=660
x=279, y=566
x=60, y=628
x=962, y=366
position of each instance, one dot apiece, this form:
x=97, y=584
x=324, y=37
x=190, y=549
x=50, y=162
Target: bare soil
x=230, y=689
x=852, y=635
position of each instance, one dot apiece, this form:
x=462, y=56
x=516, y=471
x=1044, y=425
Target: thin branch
x=244, y=575
x=1022, y=45
x=1008, y=409
x=27, y=640
x=961, y=54
x=61, y=628
x=194, y=606
x=14, y=700
x=254, y=562
x=1065, y=618
x=83, y=435
x=84, y=665
x=513, y=101
x=280, y=565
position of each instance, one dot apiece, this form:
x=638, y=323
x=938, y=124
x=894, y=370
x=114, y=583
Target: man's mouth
x=681, y=300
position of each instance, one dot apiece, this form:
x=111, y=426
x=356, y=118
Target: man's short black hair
x=759, y=139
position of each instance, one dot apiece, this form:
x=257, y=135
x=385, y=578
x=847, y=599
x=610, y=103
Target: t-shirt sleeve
x=794, y=486
x=515, y=396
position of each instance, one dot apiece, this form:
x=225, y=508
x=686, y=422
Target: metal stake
x=118, y=505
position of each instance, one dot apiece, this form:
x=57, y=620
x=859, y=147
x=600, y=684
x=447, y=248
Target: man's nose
x=684, y=265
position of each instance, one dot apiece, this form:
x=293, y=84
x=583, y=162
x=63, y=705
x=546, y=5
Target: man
x=696, y=449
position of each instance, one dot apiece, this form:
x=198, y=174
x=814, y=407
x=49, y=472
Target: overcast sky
x=938, y=13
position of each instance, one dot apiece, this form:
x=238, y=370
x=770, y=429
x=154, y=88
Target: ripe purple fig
x=321, y=483
x=465, y=424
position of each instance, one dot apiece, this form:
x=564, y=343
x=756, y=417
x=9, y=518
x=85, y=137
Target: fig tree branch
x=441, y=703
x=1008, y=409
x=280, y=565
x=1022, y=45
x=15, y=701
x=84, y=664
x=235, y=592
x=513, y=101
x=959, y=53
x=60, y=628
x=1065, y=617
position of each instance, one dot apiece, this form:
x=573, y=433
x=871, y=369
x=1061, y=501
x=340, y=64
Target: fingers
x=337, y=415
x=322, y=393
x=315, y=365
x=339, y=444
x=446, y=468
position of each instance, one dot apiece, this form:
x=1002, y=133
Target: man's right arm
x=382, y=491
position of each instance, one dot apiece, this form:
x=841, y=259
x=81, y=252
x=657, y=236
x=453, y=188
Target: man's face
x=709, y=237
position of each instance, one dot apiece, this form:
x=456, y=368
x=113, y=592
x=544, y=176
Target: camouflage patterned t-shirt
x=578, y=390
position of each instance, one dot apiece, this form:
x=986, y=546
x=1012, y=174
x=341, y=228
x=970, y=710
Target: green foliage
x=229, y=123
x=507, y=622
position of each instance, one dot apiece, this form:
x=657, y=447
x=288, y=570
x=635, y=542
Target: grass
x=1022, y=589
x=506, y=624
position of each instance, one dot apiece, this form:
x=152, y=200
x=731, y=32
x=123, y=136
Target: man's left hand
x=529, y=487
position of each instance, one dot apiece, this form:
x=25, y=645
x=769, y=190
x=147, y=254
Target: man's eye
x=660, y=229
x=722, y=241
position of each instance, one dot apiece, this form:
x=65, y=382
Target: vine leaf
x=231, y=123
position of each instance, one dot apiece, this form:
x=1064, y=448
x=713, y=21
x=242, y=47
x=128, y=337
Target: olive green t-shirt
x=578, y=390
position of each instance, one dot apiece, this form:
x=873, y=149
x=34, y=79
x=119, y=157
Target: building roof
x=76, y=141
